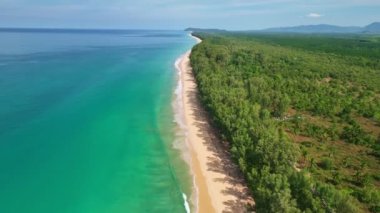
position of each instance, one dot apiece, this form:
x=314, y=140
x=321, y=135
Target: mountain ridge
x=326, y=28
x=373, y=28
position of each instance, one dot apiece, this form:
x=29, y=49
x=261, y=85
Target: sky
x=179, y=14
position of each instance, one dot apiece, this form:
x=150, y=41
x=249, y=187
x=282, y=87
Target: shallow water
x=86, y=122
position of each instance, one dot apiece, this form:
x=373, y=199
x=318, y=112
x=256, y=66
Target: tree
x=302, y=190
x=273, y=194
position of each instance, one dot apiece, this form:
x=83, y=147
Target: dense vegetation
x=302, y=116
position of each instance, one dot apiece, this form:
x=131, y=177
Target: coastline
x=218, y=186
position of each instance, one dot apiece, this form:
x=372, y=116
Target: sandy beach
x=219, y=186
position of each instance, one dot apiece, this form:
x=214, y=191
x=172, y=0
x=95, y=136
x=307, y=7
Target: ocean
x=87, y=124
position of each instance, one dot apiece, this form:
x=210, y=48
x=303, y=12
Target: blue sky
x=179, y=14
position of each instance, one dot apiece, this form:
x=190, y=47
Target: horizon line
x=85, y=29
x=159, y=29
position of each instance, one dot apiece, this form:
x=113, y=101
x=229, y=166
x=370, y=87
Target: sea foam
x=181, y=141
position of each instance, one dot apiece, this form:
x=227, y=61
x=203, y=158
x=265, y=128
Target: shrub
x=370, y=196
x=356, y=135
x=326, y=163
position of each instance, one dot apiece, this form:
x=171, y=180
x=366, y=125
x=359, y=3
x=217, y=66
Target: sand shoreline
x=218, y=183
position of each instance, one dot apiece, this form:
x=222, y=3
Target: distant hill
x=372, y=28
x=325, y=28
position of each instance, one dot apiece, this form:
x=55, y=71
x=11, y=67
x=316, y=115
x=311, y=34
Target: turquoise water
x=86, y=123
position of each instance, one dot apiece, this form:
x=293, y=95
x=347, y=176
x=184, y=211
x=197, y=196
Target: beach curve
x=218, y=184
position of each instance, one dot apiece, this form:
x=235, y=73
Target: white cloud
x=314, y=15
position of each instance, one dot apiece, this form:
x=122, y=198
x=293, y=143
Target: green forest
x=301, y=114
